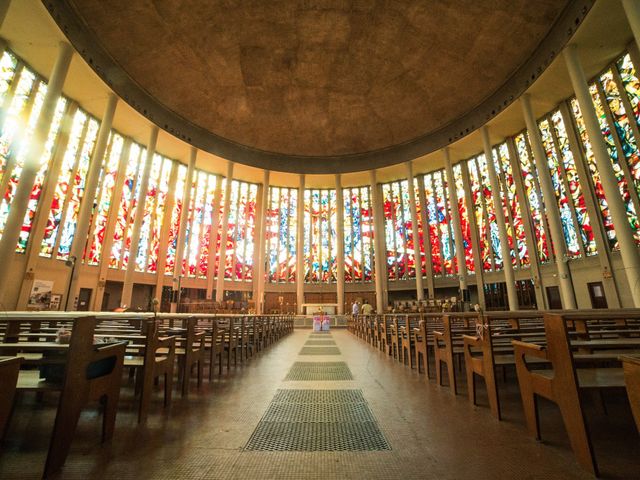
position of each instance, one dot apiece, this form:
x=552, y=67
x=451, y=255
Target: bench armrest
x=471, y=341
x=531, y=349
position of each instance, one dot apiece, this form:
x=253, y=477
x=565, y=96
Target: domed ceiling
x=313, y=85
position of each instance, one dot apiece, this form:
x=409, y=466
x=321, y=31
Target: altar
x=313, y=308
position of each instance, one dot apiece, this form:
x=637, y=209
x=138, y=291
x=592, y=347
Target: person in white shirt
x=355, y=308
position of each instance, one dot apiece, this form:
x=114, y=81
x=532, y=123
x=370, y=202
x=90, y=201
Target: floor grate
x=319, y=371
x=315, y=343
x=318, y=420
x=320, y=351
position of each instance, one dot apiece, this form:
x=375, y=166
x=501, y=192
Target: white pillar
x=223, y=237
x=182, y=231
x=300, y=248
x=127, y=288
x=91, y=186
x=32, y=158
x=550, y=203
x=632, y=9
x=502, y=226
x=417, y=254
x=260, y=243
x=213, y=246
x=340, y=240
x=111, y=225
x=380, y=274
x=163, y=241
x=455, y=220
x=628, y=249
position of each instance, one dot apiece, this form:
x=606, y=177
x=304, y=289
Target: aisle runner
x=318, y=420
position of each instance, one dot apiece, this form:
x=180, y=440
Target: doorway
x=597, y=296
x=84, y=297
x=553, y=295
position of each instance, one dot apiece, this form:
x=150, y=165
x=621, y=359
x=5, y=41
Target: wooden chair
x=561, y=385
x=9, y=369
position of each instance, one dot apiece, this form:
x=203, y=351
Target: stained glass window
x=575, y=188
x=105, y=197
x=75, y=189
x=358, y=235
x=534, y=197
x=465, y=225
x=127, y=203
x=513, y=214
x=399, y=238
x=320, y=235
x=568, y=227
x=176, y=213
x=618, y=171
x=281, y=231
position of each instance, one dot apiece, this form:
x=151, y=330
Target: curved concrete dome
x=318, y=85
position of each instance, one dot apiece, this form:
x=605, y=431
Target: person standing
x=355, y=308
x=367, y=309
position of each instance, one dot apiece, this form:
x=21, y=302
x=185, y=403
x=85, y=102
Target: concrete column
x=632, y=9
x=427, y=236
x=213, y=248
x=164, y=232
x=628, y=249
x=455, y=220
x=340, y=240
x=300, y=248
x=42, y=213
x=223, y=238
x=111, y=225
x=414, y=227
x=127, y=288
x=475, y=237
x=550, y=203
x=593, y=210
x=502, y=226
x=260, y=243
x=530, y=238
x=91, y=186
x=380, y=273
x=182, y=232
x=32, y=158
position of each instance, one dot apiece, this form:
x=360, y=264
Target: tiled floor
x=431, y=433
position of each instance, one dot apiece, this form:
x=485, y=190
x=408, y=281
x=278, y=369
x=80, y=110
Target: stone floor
x=429, y=432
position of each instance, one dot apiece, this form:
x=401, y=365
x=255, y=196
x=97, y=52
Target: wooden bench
x=563, y=383
x=9, y=369
x=631, y=368
x=91, y=373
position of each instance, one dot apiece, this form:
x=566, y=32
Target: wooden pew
x=481, y=357
x=631, y=368
x=190, y=351
x=9, y=369
x=92, y=373
x=562, y=384
x=448, y=343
